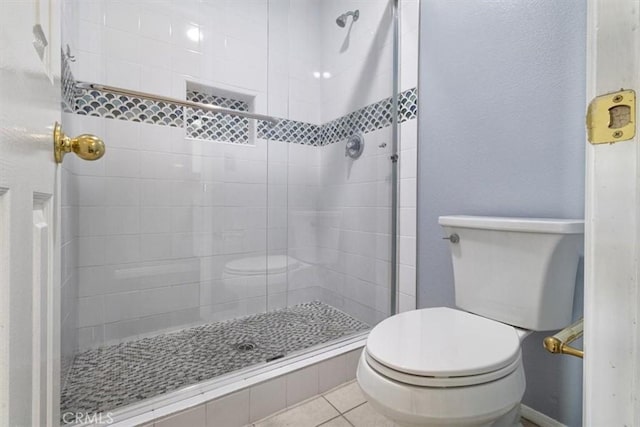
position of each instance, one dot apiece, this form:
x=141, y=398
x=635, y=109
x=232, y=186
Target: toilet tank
x=520, y=271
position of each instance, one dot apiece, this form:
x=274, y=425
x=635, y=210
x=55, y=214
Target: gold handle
x=559, y=343
x=87, y=147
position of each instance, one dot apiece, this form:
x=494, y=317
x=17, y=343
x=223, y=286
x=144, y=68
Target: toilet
x=463, y=366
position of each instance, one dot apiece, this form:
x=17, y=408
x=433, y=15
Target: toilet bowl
x=462, y=366
x=446, y=368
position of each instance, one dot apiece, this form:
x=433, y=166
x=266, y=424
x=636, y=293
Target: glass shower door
x=168, y=288
x=227, y=242
x=329, y=83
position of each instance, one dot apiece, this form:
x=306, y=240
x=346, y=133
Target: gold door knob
x=87, y=147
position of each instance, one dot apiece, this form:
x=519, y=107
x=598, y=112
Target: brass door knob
x=86, y=146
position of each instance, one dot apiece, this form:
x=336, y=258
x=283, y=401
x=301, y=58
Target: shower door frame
x=395, y=142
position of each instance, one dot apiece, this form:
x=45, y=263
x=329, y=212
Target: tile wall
x=408, y=164
x=355, y=198
x=358, y=58
x=172, y=231
x=254, y=403
x=69, y=254
x=354, y=226
x=69, y=229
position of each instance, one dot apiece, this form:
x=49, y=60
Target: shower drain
x=245, y=346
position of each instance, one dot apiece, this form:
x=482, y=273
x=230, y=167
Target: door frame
x=612, y=228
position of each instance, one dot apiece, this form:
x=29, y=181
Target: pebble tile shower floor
x=106, y=378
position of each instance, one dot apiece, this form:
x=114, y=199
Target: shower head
x=342, y=19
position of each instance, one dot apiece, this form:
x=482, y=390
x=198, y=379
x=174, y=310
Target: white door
x=612, y=234
x=29, y=213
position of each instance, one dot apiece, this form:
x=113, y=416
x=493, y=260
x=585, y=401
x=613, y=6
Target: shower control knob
x=354, y=146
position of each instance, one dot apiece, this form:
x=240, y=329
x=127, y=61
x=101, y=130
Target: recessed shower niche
x=211, y=126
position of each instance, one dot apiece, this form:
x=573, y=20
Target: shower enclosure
x=204, y=243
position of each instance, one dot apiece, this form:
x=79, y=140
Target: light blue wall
x=502, y=101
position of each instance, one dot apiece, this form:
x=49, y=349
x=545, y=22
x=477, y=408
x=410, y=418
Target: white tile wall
x=267, y=398
x=409, y=37
x=353, y=227
x=354, y=197
x=256, y=402
x=160, y=216
x=69, y=254
x=409, y=28
x=231, y=410
x=195, y=417
x=358, y=58
x=69, y=225
x=155, y=46
x=302, y=384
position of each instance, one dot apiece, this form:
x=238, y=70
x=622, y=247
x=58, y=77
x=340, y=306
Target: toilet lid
x=443, y=342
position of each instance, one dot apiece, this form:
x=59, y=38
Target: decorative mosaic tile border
x=68, y=86
x=221, y=127
x=372, y=117
x=291, y=131
x=216, y=127
x=112, y=106
x=408, y=105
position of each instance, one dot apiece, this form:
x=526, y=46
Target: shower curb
x=346, y=352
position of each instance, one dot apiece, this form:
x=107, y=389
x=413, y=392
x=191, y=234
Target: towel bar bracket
x=559, y=343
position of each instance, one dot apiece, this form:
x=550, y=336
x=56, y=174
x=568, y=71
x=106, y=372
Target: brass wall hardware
x=559, y=343
x=181, y=102
x=87, y=147
x=612, y=117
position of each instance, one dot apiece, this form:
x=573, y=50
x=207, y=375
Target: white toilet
x=463, y=367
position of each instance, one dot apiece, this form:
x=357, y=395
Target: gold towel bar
x=559, y=343
x=181, y=102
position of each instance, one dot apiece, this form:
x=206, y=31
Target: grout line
x=329, y=420
x=283, y=410
x=357, y=406
x=338, y=387
x=331, y=404
x=347, y=420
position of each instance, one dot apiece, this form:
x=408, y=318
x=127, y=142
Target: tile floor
x=344, y=406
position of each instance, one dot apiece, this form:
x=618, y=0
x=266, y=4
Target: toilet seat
x=440, y=382
x=442, y=347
